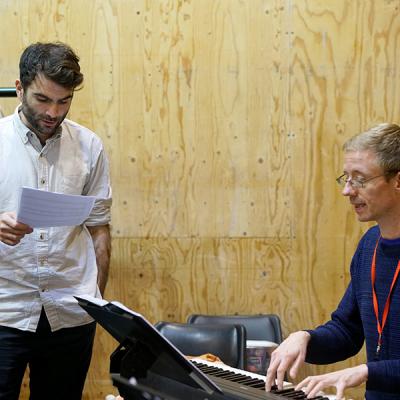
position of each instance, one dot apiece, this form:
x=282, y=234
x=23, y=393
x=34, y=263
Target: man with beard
x=41, y=269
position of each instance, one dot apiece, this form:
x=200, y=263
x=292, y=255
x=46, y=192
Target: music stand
x=143, y=352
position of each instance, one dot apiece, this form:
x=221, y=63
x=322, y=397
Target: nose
x=52, y=111
x=348, y=189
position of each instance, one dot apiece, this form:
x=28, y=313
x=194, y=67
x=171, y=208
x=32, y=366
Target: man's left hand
x=345, y=378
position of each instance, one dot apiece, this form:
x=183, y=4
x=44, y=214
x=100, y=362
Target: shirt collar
x=20, y=127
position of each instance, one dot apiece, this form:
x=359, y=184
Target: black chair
x=258, y=326
x=227, y=342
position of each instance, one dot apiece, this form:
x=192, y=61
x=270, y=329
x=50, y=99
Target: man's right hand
x=290, y=355
x=12, y=231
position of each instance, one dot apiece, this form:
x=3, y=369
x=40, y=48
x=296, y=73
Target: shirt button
x=42, y=261
x=43, y=181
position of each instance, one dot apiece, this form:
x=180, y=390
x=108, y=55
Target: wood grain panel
x=224, y=121
x=189, y=275
x=186, y=172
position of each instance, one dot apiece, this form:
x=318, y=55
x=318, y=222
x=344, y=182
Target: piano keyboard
x=248, y=385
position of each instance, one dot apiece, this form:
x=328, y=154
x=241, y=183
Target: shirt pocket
x=73, y=184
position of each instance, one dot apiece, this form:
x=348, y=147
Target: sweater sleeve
x=339, y=338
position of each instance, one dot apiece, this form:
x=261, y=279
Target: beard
x=37, y=121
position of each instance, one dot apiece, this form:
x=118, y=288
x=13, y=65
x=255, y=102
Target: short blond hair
x=384, y=141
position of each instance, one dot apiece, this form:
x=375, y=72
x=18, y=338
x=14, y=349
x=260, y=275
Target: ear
x=19, y=89
x=396, y=180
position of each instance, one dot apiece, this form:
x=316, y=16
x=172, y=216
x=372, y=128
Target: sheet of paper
x=102, y=302
x=41, y=209
x=94, y=300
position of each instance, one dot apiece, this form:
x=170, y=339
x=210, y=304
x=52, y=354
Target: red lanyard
x=375, y=300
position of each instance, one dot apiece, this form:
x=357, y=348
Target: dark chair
x=258, y=326
x=227, y=342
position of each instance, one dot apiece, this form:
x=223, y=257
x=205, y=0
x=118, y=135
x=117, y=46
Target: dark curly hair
x=56, y=61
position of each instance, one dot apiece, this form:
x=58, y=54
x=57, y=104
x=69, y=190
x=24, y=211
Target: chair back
x=258, y=326
x=228, y=342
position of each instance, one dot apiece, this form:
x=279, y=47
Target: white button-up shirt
x=51, y=265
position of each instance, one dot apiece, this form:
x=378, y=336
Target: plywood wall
x=223, y=121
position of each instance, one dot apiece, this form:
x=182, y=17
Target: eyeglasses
x=355, y=183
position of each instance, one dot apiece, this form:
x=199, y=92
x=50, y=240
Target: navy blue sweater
x=354, y=320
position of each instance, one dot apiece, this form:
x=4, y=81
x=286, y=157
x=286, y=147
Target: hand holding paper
x=12, y=231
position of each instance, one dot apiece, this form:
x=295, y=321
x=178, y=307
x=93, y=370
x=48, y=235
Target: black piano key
x=297, y=394
x=319, y=398
x=282, y=391
x=258, y=385
x=253, y=381
x=237, y=377
x=206, y=369
x=245, y=381
x=211, y=369
x=221, y=374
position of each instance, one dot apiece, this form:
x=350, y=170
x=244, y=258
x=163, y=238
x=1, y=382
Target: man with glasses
x=370, y=308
